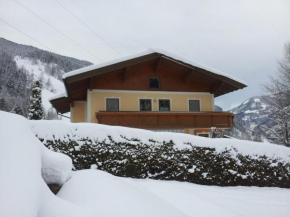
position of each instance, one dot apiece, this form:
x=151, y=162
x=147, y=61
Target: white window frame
x=139, y=98
x=170, y=101
x=194, y=99
x=113, y=97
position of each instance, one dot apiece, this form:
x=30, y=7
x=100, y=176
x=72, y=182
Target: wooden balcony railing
x=166, y=120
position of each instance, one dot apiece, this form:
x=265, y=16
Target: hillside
x=21, y=65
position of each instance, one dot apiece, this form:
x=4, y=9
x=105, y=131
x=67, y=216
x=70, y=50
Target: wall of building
x=129, y=100
x=78, y=112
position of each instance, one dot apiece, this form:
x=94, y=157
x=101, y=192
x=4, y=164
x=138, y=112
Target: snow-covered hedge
x=167, y=156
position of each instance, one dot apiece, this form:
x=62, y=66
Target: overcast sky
x=243, y=38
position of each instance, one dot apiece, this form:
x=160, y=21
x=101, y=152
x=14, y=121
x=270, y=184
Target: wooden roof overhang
x=77, y=85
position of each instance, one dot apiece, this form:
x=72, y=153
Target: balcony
x=166, y=120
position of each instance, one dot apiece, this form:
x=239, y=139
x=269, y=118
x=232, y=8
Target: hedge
x=163, y=161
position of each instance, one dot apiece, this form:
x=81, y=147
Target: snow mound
x=23, y=158
x=56, y=167
x=59, y=130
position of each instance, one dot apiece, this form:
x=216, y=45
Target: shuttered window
x=194, y=105
x=112, y=105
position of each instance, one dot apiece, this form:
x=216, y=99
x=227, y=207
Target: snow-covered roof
x=57, y=96
x=165, y=54
x=146, y=52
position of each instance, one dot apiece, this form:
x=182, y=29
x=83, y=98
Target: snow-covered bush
x=167, y=156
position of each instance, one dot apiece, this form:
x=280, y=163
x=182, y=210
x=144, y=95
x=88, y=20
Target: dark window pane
x=145, y=105
x=203, y=134
x=164, y=105
x=113, y=105
x=194, y=105
x=154, y=83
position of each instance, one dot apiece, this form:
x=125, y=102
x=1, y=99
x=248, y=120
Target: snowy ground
x=110, y=196
x=25, y=166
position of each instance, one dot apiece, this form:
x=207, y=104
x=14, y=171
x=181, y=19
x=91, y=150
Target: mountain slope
x=253, y=112
x=250, y=117
x=21, y=65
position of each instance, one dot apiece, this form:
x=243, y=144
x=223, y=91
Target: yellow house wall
x=78, y=112
x=129, y=101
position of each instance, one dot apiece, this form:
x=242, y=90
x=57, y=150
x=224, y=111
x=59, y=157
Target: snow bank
x=110, y=196
x=58, y=130
x=23, y=159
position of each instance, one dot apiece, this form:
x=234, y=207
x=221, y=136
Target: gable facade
x=152, y=92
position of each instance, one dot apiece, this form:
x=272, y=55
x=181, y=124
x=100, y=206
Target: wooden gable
x=134, y=74
x=137, y=78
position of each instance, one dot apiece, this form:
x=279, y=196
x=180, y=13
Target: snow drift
x=24, y=165
x=167, y=156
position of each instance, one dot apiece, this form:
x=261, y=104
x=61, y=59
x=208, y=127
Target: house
x=154, y=90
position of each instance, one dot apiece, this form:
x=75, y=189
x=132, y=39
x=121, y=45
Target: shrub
x=163, y=161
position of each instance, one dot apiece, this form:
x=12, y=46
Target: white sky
x=243, y=38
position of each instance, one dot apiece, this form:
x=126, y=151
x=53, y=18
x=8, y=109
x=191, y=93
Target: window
x=164, y=105
x=194, y=105
x=154, y=83
x=203, y=134
x=112, y=105
x=145, y=105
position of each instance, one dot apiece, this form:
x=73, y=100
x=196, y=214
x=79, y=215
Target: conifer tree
x=3, y=104
x=10, y=84
x=17, y=110
x=35, y=111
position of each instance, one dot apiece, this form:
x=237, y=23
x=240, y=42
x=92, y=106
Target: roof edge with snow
x=147, y=52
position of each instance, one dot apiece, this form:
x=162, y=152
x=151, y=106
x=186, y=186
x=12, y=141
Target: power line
x=58, y=30
x=25, y=34
x=97, y=22
x=88, y=27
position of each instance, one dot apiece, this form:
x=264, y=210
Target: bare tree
x=279, y=101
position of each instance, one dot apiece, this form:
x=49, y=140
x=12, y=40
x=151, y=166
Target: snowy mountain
x=250, y=116
x=21, y=65
x=253, y=112
x=218, y=108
